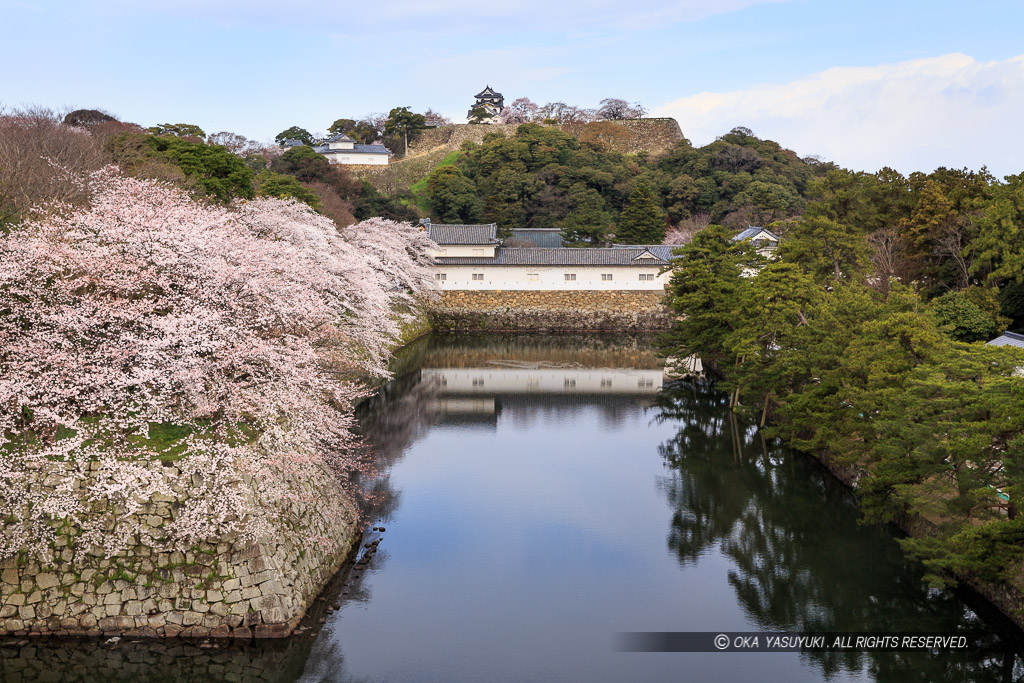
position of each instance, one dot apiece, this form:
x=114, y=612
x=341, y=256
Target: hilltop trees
x=401, y=123
x=181, y=130
x=294, y=133
x=613, y=109
x=362, y=131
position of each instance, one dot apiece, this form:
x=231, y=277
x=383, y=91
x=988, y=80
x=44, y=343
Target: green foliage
x=999, y=246
x=989, y=553
x=931, y=428
x=303, y=163
x=828, y=250
x=294, y=133
x=221, y=174
x=707, y=291
x=360, y=131
x=452, y=195
x=642, y=220
x=270, y=184
x=181, y=130
x=403, y=124
x=963, y=319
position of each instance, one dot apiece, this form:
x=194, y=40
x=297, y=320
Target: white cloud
x=914, y=116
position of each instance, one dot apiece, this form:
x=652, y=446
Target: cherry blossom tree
x=247, y=329
x=522, y=110
x=613, y=109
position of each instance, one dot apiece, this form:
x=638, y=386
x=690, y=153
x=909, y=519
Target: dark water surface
x=545, y=493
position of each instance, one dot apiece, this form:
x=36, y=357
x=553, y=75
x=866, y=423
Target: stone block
x=18, y=599
x=273, y=630
x=35, y=597
x=191, y=618
x=10, y=576
x=47, y=581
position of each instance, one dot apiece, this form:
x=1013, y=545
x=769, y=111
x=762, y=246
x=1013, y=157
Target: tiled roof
x=662, y=251
x=538, y=237
x=564, y=256
x=454, y=233
x=356, y=149
x=752, y=231
x=340, y=137
x=1008, y=339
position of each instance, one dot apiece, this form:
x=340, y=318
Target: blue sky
x=909, y=84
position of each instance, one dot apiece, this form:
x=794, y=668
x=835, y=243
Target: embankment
x=1007, y=598
x=226, y=587
x=549, y=311
x=229, y=588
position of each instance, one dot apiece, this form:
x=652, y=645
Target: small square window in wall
x=478, y=252
x=646, y=276
x=533, y=277
x=570, y=277
x=478, y=276
x=606, y=276
x=441, y=276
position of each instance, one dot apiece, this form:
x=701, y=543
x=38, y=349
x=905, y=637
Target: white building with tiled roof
x=341, y=149
x=471, y=257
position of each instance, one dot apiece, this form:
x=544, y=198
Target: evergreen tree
x=452, y=195
x=642, y=220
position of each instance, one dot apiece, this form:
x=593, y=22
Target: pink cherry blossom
x=251, y=327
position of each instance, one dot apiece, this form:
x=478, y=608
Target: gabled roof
x=340, y=137
x=457, y=233
x=662, y=251
x=1008, y=339
x=753, y=231
x=563, y=256
x=488, y=92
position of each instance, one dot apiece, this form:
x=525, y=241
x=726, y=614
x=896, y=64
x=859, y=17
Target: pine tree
x=642, y=220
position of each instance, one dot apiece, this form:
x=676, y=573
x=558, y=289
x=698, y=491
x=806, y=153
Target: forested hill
x=542, y=177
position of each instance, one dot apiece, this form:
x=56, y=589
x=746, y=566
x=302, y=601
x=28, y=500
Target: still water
x=542, y=494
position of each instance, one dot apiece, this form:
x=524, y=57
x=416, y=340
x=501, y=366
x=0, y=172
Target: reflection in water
x=544, y=493
x=800, y=560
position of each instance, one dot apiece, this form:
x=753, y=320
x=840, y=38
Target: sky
x=910, y=84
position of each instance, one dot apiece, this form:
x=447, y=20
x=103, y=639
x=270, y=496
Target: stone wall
x=553, y=311
x=228, y=589
x=654, y=136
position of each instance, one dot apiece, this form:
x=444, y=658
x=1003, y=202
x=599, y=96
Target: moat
x=542, y=494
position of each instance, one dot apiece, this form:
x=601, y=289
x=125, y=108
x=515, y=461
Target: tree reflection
x=801, y=560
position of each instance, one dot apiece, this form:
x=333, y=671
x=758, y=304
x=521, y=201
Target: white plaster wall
x=547, y=278
x=358, y=159
x=466, y=250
